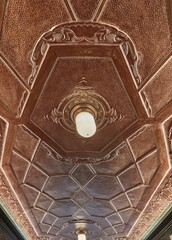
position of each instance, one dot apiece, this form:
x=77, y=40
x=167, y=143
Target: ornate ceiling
x=116, y=56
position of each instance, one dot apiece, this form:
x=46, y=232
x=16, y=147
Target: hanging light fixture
x=83, y=111
x=84, y=118
x=85, y=124
x=81, y=232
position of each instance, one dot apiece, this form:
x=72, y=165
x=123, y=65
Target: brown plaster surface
x=84, y=10
x=146, y=22
x=118, y=182
x=12, y=94
x=24, y=22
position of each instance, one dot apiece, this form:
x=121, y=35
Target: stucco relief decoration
x=15, y=209
x=90, y=34
x=108, y=157
x=83, y=95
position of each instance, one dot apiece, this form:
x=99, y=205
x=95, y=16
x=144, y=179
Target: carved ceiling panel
x=3, y=131
x=20, y=31
x=58, y=193
x=114, y=93
x=83, y=12
x=9, y=91
x=2, y=8
x=54, y=181
x=151, y=39
x=158, y=86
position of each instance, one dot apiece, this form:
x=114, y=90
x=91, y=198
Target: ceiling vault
x=111, y=59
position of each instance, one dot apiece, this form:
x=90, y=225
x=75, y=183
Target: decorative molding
x=15, y=209
x=22, y=103
x=170, y=139
x=140, y=131
x=83, y=96
x=102, y=34
x=2, y=12
x=155, y=209
x=110, y=156
x=29, y=132
x=147, y=104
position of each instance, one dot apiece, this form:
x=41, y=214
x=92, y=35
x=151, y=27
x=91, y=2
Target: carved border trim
x=75, y=160
x=156, y=207
x=102, y=34
x=15, y=209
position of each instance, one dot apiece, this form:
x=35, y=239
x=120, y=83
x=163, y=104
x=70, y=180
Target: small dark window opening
x=8, y=231
x=164, y=229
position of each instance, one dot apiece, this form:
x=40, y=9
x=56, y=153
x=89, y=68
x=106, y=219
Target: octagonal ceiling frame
x=116, y=45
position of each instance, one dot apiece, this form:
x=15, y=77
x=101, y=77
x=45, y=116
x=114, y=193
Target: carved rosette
x=83, y=97
x=89, y=34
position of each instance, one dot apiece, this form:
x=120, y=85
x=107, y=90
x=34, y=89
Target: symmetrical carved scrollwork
x=84, y=160
x=89, y=34
x=83, y=95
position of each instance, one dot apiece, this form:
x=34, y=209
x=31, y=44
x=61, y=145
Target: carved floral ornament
x=89, y=34
x=85, y=97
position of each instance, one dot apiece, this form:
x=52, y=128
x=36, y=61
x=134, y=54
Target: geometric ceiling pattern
x=58, y=192
x=56, y=180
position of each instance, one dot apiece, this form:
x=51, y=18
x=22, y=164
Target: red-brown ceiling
x=116, y=183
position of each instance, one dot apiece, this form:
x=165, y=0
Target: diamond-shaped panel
x=30, y=193
x=126, y=214
x=110, y=231
x=23, y=137
x=149, y=166
x=114, y=219
x=100, y=208
x=121, y=202
x=35, y=177
x=49, y=219
x=38, y=214
x=54, y=231
x=130, y=177
x=81, y=198
x=136, y=194
x=120, y=228
x=82, y=174
x=139, y=141
x=110, y=187
x=63, y=208
x=60, y=187
x=19, y=166
x=44, y=228
x=43, y=202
